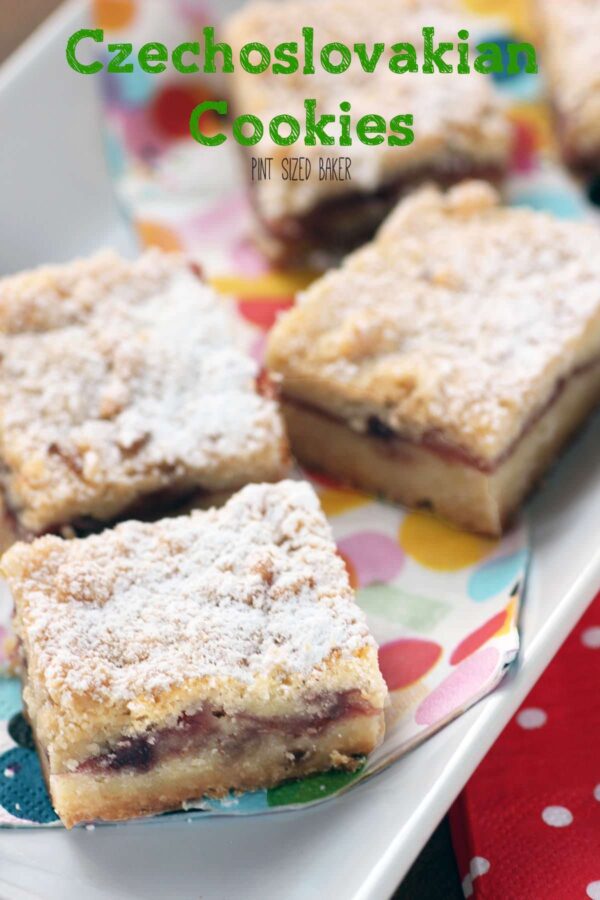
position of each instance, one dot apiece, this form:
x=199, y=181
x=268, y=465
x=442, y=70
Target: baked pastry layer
x=223, y=641
x=460, y=125
x=451, y=334
x=434, y=477
x=569, y=34
x=121, y=381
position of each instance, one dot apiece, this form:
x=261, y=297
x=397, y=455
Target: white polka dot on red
x=593, y=890
x=532, y=718
x=591, y=638
x=557, y=816
x=479, y=865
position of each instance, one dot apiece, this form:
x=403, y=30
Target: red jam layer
x=193, y=732
x=434, y=442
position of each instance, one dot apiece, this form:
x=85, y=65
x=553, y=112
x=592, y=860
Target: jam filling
x=193, y=732
x=434, y=442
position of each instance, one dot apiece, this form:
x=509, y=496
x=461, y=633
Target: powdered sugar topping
x=243, y=591
x=459, y=319
x=145, y=390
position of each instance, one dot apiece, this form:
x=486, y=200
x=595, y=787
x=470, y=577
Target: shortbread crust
x=242, y=615
x=454, y=331
x=121, y=381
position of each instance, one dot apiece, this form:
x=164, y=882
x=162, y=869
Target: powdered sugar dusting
x=241, y=591
x=144, y=390
x=459, y=319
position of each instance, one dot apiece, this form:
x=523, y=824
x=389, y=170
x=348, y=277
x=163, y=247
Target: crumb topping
x=457, y=322
x=125, y=385
x=246, y=591
x=459, y=121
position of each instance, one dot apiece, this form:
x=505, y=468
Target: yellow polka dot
x=516, y=13
x=113, y=13
x=511, y=612
x=270, y=285
x=155, y=234
x=336, y=501
x=438, y=545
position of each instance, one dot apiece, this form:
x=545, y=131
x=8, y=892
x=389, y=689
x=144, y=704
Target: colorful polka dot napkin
x=528, y=822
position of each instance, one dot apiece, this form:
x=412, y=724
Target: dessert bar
x=193, y=656
x=569, y=35
x=446, y=363
x=122, y=390
x=460, y=125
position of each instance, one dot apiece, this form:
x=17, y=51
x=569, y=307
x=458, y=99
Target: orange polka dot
x=352, y=576
x=155, y=234
x=335, y=502
x=113, y=13
x=511, y=615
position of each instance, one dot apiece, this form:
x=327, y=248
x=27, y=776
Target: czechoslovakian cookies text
x=460, y=124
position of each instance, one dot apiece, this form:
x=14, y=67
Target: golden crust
x=457, y=323
x=247, y=608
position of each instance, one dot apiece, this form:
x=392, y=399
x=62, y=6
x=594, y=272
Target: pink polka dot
x=467, y=680
x=258, y=349
x=374, y=556
x=247, y=259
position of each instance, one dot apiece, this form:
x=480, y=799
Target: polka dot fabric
x=532, y=809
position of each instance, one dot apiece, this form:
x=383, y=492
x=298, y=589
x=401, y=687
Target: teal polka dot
x=496, y=575
x=10, y=697
x=136, y=88
x=564, y=204
x=251, y=802
x=522, y=87
x=114, y=154
x=23, y=793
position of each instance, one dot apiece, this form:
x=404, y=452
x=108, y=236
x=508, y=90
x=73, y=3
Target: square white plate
x=56, y=201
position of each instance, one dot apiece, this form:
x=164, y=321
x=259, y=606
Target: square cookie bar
x=196, y=655
x=460, y=125
x=446, y=363
x=122, y=391
x=569, y=34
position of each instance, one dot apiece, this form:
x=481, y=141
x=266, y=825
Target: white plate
x=56, y=201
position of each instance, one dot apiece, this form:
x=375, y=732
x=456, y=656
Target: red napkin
x=527, y=825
